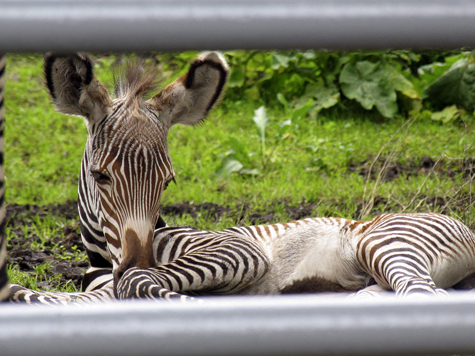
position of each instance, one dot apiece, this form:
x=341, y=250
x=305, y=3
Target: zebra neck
x=88, y=205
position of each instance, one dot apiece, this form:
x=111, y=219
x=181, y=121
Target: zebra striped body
x=197, y=263
x=4, y=287
x=407, y=253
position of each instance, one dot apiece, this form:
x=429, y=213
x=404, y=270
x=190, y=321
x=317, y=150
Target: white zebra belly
x=447, y=272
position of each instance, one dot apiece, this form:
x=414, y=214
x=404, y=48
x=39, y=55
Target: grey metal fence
x=128, y=25
x=291, y=325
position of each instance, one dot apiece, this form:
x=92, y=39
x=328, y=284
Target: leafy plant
x=261, y=120
x=368, y=84
x=323, y=96
x=239, y=160
x=372, y=79
x=456, y=86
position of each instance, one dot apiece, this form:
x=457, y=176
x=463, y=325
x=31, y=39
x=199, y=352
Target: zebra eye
x=100, y=177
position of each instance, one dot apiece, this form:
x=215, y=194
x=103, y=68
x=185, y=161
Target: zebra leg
x=414, y=286
x=225, y=264
x=139, y=283
x=4, y=286
x=407, y=273
x=19, y=294
x=97, y=286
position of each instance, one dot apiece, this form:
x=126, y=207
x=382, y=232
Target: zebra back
x=4, y=286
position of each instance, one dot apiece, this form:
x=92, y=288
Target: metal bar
x=142, y=25
x=290, y=325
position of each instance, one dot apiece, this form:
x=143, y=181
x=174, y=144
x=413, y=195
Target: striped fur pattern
x=411, y=254
x=416, y=253
x=197, y=263
x=126, y=166
x=3, y=241
x=25, y=295
x=98, y=286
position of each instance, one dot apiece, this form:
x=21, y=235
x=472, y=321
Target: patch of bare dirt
x=393, y=169
x=209, y=211
x=21, y=250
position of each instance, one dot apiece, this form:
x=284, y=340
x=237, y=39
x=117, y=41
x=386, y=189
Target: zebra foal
x=411, y=254
x=126, y=166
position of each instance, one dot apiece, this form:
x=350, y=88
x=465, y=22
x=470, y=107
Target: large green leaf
x=448, y=114
x=229, y=165
x=324, y=96
x=302, y=109
x=400, y=83
x=253, y=93
x=429, y=73
x=368, y=84
x=237, y=77
x=261, y=120
x=455, y=87
x=279, y=60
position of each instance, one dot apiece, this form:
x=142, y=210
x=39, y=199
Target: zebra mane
x=136, y=79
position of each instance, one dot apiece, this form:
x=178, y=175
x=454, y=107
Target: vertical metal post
x=4, y=290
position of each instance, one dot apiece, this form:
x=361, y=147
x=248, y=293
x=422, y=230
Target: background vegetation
x=298, y=134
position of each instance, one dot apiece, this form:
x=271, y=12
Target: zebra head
x=126, y=166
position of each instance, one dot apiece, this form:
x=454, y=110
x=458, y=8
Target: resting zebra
x=126, y=168
x=411, y=254
x=408, y=253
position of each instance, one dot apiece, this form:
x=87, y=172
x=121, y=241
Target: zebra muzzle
x=136, y=252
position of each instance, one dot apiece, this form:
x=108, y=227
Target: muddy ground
x=68, y=240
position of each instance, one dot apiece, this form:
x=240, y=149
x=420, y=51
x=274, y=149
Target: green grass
x=40, y=279
x=312, y=163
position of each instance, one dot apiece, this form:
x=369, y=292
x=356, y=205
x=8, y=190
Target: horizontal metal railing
x=143, y=25
x=290, y=325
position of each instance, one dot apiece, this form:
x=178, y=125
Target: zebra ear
x=189, y=99
x=74, y=88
